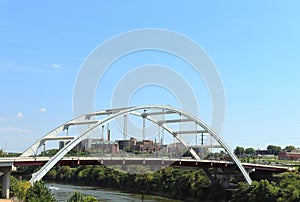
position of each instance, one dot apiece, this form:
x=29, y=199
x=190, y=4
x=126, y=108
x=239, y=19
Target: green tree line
x=285, y=189
x=271, y=149
x=23, y=191
x=183, y=184
x=192, y=185
x=170, y=182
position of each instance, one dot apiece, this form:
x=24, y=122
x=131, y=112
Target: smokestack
x=108, y=135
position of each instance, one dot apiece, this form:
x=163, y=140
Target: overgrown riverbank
x=187, y=185
x=192, y=185
x=169, y=182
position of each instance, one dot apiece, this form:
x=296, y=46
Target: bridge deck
x=109, y=161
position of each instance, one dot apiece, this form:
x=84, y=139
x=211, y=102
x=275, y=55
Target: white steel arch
x=114, y=113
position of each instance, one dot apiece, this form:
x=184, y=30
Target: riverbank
x=176, y=183
x=111, y=189
x=63, y=191
x=187, y=185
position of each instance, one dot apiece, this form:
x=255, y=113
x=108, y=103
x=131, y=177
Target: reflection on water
x=63, y=191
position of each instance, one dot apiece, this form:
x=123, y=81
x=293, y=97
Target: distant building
x=262, y=152
x=61, y=144
x=106, y=147
x=127, y=144
x=145, y=145
x=94, y=145
x=148, y=145
x=175, y=148
x=86, y=144
x=294, y=155
x=133, y=144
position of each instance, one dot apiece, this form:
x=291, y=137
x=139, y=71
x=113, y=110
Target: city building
x=144, y=145
x=176, y=149
x=136, y=145
x=294, y=155
x=263, y=152
x=127, y=144
x=61, y=144
x=106, y=147
x=86, y=144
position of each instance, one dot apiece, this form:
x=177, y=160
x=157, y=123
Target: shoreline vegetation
x=114, y=189
x=187, y=185
x=180, y=184
x=194, y=185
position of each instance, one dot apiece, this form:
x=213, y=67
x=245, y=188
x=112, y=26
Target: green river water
x=63, y=191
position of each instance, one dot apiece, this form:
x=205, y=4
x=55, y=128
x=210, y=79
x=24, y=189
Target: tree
x=90, y=199
x=289, y=187
x=217, y=192
x=272, y=149
x=240, y=194
x=289, y=148
x=65, y=172
x=250, y=151
x=258, y=191
x=76, y=197
x=239, y=151
x=79, y=197
x=50, y=152
x=51, y=175
x=39, y=193
x=19, y=188
x=263, y=191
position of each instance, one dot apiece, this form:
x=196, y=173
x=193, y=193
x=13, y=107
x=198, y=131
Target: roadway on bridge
x=110, y=161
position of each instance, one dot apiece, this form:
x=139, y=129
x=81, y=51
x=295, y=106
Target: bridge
x=165, y=135
x=112, y=161
x=8, y=163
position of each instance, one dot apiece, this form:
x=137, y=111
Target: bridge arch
x=111, y=114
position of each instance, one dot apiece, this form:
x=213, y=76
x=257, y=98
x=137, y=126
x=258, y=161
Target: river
x=63, y=191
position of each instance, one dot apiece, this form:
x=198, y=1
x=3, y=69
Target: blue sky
x=255, y=46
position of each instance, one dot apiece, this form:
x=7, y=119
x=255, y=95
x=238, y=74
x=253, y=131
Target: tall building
x=127, y=144
x=86, y=144
x=105, y=147
x=135, y=145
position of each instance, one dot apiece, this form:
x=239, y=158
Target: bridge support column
x=209, y=175
x=6, y=181
x=226, y=179
x=250, y=170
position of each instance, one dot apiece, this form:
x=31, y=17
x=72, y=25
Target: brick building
x=294, y=155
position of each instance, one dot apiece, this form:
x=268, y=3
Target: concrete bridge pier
x=6, y=181
x=250, y=170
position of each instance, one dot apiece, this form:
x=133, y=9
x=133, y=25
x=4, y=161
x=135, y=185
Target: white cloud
x=20, y=115
x=43, y=110
x=12, y=129
x=56, y=66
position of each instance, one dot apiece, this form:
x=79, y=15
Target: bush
x=39, y=193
